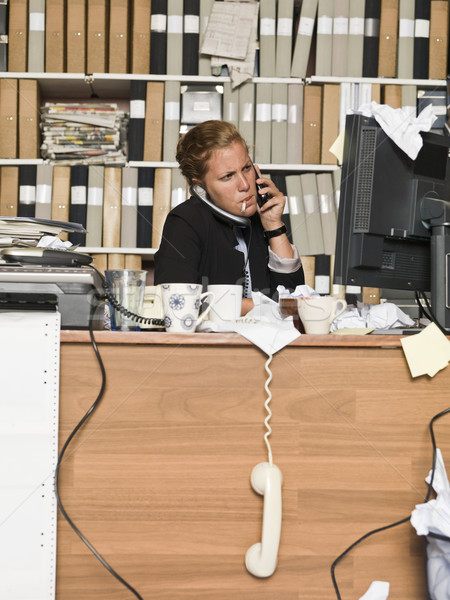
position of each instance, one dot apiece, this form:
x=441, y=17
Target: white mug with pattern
x=181, y=305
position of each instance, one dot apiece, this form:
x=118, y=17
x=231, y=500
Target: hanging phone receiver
x=261, y=558
x=202, y=195
x=260, y=198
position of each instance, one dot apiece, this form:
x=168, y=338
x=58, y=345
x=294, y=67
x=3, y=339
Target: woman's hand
x=272, y=210
x=270, y=214
x=247, y=305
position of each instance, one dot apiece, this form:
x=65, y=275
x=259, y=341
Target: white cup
x=181, y=306
x=227, y=303
x=317, y=313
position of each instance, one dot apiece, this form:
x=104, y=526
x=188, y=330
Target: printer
x=78, y=291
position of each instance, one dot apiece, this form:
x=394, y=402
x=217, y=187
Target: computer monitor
x=392, y=214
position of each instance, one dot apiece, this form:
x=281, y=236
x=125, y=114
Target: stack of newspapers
x=79, y=133
x=29, y=231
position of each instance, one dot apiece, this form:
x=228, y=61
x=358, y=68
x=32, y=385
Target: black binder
x=78, y=201
x=27, y=191
x=371, y=38
x=322, y=274
x=4, y=35
x=158, y=38
x=280, y=182
x=146, y=180
x=3, y=17
x=136, y=124
x=191, y=35
x=421, y=38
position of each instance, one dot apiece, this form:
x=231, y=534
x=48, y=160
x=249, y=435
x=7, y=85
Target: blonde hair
x=195, y=147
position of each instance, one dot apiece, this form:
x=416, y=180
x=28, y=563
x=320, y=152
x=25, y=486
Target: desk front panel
x=159, y=478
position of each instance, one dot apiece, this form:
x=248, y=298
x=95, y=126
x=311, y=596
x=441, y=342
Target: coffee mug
x=227, y=304
x=181, y=306
x=317, y=313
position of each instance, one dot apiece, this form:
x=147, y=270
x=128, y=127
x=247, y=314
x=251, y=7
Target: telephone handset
x=199, y=192
x=260, y=198
x=261, y=558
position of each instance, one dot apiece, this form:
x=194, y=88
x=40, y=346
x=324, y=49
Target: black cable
x=433, y=443
x=430, y=315
x=160, y=323
x=63, y=450
x=362, y=538
x=422, y=311
x=404, y=520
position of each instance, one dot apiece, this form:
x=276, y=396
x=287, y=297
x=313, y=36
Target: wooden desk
x=158, y=480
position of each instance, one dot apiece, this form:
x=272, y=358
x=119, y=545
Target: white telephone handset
x=261, y=558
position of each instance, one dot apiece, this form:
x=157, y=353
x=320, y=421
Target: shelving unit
x=116, y=87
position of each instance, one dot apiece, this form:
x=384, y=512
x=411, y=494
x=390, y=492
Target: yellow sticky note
x=353, y=331
x=337, y=147
x=426, y=352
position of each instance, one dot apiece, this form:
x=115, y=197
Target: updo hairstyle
x=195, y=147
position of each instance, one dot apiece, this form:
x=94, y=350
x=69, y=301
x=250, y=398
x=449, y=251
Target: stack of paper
x=83, y=133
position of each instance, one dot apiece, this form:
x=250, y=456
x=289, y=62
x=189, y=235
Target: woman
x=199, y=245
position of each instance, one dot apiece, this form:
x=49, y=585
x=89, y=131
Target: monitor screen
x=381, y=239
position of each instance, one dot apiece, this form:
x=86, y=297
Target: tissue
x=400, y=126
x=270, y=331
x=372, y=316
x=378, y=590
x=434, y=517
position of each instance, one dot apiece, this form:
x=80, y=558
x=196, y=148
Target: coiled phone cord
x=160, y=323
x=266, y=404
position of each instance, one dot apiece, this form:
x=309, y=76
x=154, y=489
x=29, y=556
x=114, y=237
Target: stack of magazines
x=83, y=133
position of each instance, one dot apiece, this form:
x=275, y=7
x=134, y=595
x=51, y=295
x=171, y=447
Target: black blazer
x=198, y=247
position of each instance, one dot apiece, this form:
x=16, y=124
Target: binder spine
x=146, y=181
x=136, y=126
x=191, y=32
x=421, y=38
x=371, y=38
x=78, y=201
x=27, y=191
x=158, y=38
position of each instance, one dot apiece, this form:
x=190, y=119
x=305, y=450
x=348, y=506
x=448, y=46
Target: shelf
x=117, y=85
x=73, y=85
x=263, y=167
x=429, y=83
x=292, y=168
x=146, y=253
x=156, y=164
x=21, y=161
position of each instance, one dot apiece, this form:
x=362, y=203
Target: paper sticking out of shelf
x=231, y=38
x=337, y=148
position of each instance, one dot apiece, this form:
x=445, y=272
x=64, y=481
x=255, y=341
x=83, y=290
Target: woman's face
x=230, y=180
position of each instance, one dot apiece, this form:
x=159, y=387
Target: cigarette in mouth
x=244, y=206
